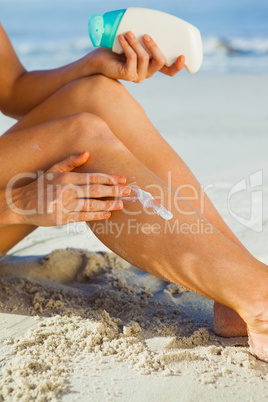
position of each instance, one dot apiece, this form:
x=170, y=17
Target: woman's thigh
x=77, y=97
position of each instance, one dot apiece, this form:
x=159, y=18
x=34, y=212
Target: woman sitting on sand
x=67, y=113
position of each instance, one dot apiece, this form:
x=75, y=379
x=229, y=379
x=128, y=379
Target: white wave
x=220, y=55
x=238, y=45
x=212, y=46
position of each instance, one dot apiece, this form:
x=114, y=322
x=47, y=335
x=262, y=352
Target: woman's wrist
x=83, y=67
x=8, y=215
x=78, y=69
x=88, y=66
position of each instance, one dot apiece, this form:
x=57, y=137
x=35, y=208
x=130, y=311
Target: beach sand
x=79, y=323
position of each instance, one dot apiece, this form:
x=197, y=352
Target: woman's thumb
x=70, y=163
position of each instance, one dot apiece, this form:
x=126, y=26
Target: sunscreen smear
x=148, y=201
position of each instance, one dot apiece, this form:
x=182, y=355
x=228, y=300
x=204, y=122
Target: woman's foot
x=227, y=322
x=258, y=338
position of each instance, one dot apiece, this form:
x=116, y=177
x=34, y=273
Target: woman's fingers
x=87, y=216
x=92, y=178
x=92, y=210
x=138, y=65
x=175, y=68
x=99, y=191
x=70, y=163
x=76, y=210
x=130, y=72
x=158, y=58
x=143, y=57
x=92, y=205
x=98, y=205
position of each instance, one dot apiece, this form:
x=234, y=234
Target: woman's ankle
x=256, y=316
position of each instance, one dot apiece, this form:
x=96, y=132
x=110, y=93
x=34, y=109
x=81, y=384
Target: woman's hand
x=135, y=64
x=60, y=196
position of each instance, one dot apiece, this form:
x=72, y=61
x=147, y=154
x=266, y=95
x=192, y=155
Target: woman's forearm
x=32, y=88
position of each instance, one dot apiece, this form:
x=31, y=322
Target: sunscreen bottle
x=173, y=35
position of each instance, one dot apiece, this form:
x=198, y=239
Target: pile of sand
x=91, y=305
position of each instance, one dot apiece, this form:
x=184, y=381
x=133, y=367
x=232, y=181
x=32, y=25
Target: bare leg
x=130, y=124
x=208, y=263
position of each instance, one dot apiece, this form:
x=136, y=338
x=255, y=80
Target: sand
x=85, y=325
x=94, y=307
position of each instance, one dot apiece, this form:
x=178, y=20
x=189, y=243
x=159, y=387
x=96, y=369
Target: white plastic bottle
x=173, y=35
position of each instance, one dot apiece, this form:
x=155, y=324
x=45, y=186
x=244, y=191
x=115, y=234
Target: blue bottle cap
x=95, y=29
x=102, y=29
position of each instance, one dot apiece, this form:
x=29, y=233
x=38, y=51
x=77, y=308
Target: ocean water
x=49, y=33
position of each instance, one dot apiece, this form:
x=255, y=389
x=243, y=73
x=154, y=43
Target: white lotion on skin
x=148, y=201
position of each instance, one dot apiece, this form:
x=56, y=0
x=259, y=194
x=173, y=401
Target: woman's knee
x=95, y=92
x=98, y=83
x=88, y=129
x=107, y=92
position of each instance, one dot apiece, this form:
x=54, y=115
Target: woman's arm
x=21, y=91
